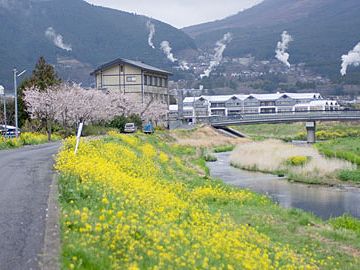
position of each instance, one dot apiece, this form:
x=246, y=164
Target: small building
x=133, y=77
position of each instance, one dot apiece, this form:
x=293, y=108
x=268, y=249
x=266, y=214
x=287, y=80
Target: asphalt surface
x=25, y=178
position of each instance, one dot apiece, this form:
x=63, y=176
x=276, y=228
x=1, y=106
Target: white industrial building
x=230, y=105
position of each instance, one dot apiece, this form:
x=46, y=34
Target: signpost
x=78, y=136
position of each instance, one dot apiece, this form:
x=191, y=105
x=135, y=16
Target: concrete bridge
x=287, y=117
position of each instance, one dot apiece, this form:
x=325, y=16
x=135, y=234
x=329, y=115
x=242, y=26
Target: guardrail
x=285, y=117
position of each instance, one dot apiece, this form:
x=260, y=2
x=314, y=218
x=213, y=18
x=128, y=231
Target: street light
x=2, y=92
x=16, y=103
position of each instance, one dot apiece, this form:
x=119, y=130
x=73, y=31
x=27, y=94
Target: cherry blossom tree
x=71, y=104
x=42, y=105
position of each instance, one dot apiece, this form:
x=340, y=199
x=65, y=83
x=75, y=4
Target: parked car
x=130, y=128
x=148, y=128
x=8, y=131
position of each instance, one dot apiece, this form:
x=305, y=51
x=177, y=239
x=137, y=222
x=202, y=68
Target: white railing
x=287, y=116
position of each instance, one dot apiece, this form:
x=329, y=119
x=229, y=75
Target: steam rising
x=57, y=39
x=352, y=58
x=218, y=56
x=151, y=27
x=184, y=65
x=282, y=47
x=165, y=46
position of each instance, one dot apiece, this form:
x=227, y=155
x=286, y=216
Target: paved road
x=25, y=178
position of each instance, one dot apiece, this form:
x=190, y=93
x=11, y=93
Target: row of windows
x=155, y=81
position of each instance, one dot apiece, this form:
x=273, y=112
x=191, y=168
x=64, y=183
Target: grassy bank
x=299, y=163
x=143, y=202
x=26, y=139
x=344, y=148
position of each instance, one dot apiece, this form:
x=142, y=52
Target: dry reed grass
x=271, y=156
x=204, y=136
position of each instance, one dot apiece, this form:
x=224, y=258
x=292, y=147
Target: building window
x=145, y=80
x=217, y=105
x=130, y=79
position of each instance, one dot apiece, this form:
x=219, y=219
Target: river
x=323, y=201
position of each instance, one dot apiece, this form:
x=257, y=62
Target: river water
x=323, y=201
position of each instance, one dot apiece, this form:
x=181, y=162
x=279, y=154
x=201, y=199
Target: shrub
x=224, y=148
x=119, y=122
x=350, y=175
x=346, y=222
x=95, y=130
x=297, y=160
x=210, y=158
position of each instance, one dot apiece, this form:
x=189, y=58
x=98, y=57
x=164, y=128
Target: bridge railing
x=308, y=115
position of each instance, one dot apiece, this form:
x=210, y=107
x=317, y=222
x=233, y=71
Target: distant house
x=133, y=77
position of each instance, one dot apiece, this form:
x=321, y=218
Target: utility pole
x=16, y=104
x=2, y=92
x=16, y=101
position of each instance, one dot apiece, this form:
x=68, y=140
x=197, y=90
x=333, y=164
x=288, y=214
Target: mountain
x=323, y=30
x=96, y=35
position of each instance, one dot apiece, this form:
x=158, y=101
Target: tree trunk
x=49, y=130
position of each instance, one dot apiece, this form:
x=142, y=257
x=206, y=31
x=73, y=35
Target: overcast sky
x=180, y=13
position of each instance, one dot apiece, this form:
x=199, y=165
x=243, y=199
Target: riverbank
x=324, y=201
x=337, y=140
x=299, y=163
x=145, y=201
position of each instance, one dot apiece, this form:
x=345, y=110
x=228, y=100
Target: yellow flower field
x=26, y=138
x=122, y=208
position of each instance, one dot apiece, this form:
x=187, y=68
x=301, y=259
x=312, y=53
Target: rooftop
x=262, y=97
x=134, y=63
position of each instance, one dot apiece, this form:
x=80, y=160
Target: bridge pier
x=311, y=132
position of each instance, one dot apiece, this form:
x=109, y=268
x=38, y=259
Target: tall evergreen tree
x=43, y=76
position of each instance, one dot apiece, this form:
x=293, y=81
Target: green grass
x=277, y=131
x=344, y=148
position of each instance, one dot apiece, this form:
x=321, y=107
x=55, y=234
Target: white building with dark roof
x=230, y=105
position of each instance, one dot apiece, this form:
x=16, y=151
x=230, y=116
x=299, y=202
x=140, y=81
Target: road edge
x=51, y=250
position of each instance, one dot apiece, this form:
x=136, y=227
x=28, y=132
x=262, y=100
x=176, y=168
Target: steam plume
x=218, y=56
x=352, y=58
x=165, y=46
x=57, y=39
x=151, y=27
x=184, y=65
x=282, y=47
